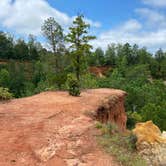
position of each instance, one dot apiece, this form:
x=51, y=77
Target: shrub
x=156, y=113
x=88, y=81
x=57, y=79
x=73, y=85
x=133, y=118
x=43, y=86
x=4, y=78
x=5, y=94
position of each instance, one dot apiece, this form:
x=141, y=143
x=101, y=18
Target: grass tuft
x=122, y=146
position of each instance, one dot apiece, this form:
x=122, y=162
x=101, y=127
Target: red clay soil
x=52, y=129
x=99, y=71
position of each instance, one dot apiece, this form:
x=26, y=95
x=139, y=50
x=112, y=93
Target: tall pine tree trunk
x=78, y=68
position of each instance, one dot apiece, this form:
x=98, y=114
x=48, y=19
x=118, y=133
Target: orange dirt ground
x=52, y=129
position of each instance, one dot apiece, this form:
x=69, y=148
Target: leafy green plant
x=73, y=85
x=156, y=113
x=4, y=78
x=133, y=118
x=88, y=81
x=5, y=94
x=43, y=86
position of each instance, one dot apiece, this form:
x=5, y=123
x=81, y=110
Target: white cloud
x=131, y=25
x=152, y=17
x=155, y=3
x=27, y=16
x=135, y=35
x=150, y=32
x=92, y=23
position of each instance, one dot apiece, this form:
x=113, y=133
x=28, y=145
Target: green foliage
x=113, y=80
x=33, y=48
x=5, y=94
x=54, y=34
x=79, y=47
x=6, y=46
x=43, y=86
x=158, y=65
x=29, y=89
x=73, y=85
x=140, y=92
x=140, y=98
x=156, y=113
x=139, y=72
x=20, y=50
x=133, y=118
x=4, y=78
x=88, y=81
x=163, y=69
x=110, y=55
x=17, y=79
x=39, y=72
x=60, y=79
x=99, y=57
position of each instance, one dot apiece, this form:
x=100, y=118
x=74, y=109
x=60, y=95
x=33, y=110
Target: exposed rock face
x=151, y=143
x=112, y=110
x=99, y=71
x=55, y=129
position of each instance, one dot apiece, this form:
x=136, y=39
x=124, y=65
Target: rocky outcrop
x=55, y=129
x=151, y=143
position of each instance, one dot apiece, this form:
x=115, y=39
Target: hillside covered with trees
x=27, y=68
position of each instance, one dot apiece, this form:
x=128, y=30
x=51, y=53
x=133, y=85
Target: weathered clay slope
x=99, y=71
x=54, y=129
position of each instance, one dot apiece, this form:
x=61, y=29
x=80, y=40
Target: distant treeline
x=115, y=55
x=123, y=56
x=19, y=49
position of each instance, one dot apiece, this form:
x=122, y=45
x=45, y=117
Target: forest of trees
x=27, y=68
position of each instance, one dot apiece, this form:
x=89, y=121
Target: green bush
x=5, y=94
x=57, y=79
x=43, y=86
x=133, y=118
x=4, y=78
x=156, y=113
x=88, y=81
x=73, y=85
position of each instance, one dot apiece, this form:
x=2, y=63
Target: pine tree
x=79, y=46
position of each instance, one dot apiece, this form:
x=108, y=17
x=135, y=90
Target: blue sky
x=112, y=21
x=108, y=12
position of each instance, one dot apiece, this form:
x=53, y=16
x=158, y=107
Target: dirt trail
x=52, y=129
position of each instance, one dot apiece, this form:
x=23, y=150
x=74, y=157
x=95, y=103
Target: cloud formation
x=152, y=17
x=147, y=29
x=149, y=32
x=27, y=16
x=152, y=40
x=155, y=3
